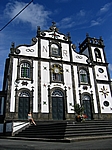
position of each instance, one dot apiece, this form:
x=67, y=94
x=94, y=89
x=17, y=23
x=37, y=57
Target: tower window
x=97, y=55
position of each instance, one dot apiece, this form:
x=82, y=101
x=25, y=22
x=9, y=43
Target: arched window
x=83, y=76
x=56, y=73
x=86, y=97
x=24, y=94
x=97, y=54
x=25, y=70
x=57, y=93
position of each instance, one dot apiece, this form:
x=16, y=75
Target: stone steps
x=67, y=129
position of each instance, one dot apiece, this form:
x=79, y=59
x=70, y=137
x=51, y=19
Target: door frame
x=63, y=96
x=89, y=99
x=19, y=94
x=23, y=100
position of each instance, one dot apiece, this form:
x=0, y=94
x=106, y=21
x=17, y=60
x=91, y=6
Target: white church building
x=48, y=77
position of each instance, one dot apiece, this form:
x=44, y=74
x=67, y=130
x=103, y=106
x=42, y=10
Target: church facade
x=48, y=77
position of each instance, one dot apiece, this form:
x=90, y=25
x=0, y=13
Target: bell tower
x=94, y=49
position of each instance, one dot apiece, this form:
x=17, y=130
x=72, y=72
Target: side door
x=23, y=108
x=87, y=108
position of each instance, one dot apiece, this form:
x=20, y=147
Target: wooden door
x=57, y=108
x=23, y=108
x=87, y=108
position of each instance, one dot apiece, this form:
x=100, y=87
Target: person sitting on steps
x=30, y=118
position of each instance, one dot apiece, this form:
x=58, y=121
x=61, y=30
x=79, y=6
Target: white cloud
x=94, y=23
x=65, y=23
x=73, y=20
x=110, y=67
x=98, y=21
x=34, y=14
x=81, y=13
x=105, y=8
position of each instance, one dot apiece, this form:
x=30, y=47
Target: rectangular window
x=55, y=51
x=56, y=77
x=25, y=72
x=83, y=78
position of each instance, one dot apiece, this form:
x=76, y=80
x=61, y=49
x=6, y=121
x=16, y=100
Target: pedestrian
x=30, y=118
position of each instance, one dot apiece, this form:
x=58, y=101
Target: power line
x=16, y=16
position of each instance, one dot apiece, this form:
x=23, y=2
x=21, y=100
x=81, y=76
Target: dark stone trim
x=39, y=87
x=73, y=84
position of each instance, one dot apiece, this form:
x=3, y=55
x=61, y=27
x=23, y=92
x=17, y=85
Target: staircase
x=67, y=129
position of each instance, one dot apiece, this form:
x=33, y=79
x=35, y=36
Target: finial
x=100, y=37
x=13, y=44
x=87, y=35
x=53, y=24
x=12, y=48
x=38, y=30
x=68, y=35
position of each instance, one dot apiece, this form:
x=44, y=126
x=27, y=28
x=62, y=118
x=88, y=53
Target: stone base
x=102, y=116
x=48, y=116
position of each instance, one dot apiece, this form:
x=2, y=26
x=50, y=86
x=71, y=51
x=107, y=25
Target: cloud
x=110, y=67
x=35, y=14
x=74, y=20
x=81, y=13
x=95, y=23
x=66, y=23
x=105, y=8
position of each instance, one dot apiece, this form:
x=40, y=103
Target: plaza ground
x=11, y=144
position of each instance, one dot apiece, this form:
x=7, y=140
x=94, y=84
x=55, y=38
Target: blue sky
x=77, y=17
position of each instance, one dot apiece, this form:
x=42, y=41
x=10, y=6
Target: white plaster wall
x=45, y=81
x=77, y=88
x=79, y=58
x=93, y=90
x=44, y=48
x=35, y=85
x=51, y=35
x=14, y=76
x=30, y=85
x=108, y=98
x=101, y=76
x=18, y=125
x=65, y=52
x=57, y=85
x=68, y=84
x=20, y=86
x=76, y=79
x=101, y=51
x=29, y=50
